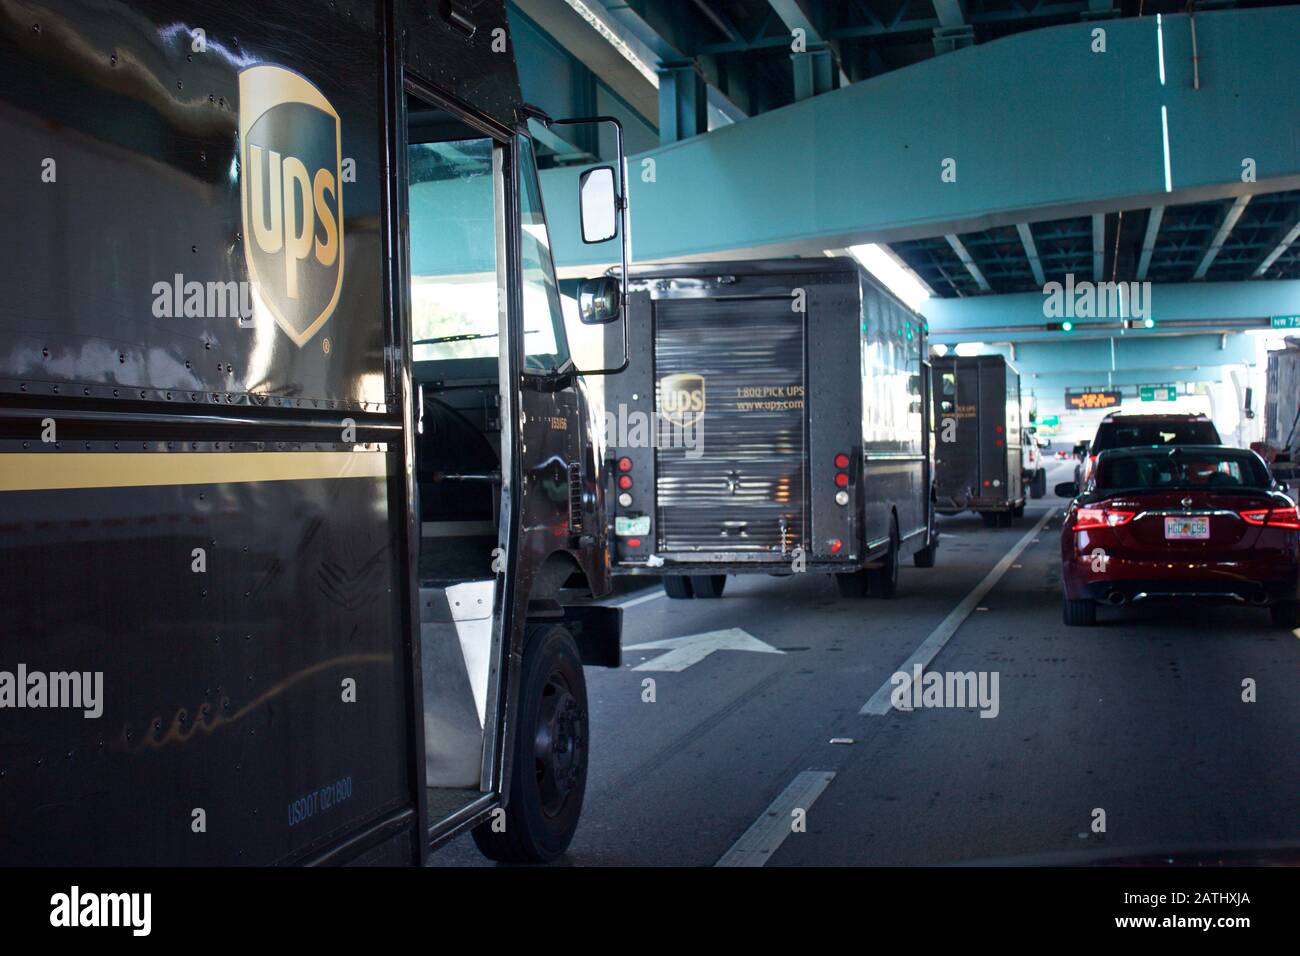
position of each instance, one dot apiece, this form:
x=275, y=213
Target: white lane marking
x=766, y=834
x=879, y=704
x=642, y=599
x=693, y=648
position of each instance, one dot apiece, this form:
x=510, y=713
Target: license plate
x=628, y=527
x=1187, y=529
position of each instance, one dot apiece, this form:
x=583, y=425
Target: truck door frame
x=494, y=781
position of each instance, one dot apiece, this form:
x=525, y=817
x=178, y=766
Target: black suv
x=1128, y=431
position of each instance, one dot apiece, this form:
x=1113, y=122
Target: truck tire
x=1017, y=512
x=549, y=776
x=851, y=584
x=1286, y=614
x=678, y=586
x=990, y=518
x=708, y=585
x=1078, y=613
x=883, y=582
x=1038, y=487
x=924, y=558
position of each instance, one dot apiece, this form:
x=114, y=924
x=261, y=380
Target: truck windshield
x=545, y=347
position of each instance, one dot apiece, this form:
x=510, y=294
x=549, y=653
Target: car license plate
x=1187, y=529
x=626, y=527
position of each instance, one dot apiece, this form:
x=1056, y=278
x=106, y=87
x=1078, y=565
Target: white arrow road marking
x=685, y=651
x=881, y=702
x=766, y=834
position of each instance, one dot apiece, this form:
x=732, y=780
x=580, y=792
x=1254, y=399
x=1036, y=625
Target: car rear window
x=1120, y=434
x=1211, y=471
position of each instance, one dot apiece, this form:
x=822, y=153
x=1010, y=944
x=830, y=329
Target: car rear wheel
x=1078, y=613
x=549, y=777
x=1286, y=614
x=708, y=585
x=678, y=586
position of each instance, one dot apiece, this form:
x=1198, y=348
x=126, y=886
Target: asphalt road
x=1141, y=718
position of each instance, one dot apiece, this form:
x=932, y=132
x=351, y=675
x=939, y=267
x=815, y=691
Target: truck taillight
x=624, y=482
x=841, y=461
x=836, y=545
x=625, y=464
x=841, y=480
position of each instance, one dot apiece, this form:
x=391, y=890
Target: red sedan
x=1177, y=523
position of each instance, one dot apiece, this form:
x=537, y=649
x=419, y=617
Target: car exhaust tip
x=1116, y=598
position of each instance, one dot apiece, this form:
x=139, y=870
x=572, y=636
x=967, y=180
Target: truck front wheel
x=549, y=775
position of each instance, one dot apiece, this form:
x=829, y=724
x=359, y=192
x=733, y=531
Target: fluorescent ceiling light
x=939, y=349
x=965, y=349
x=614, y=40
x=896, y=277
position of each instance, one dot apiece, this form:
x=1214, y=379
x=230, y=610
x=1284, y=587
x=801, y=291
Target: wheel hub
x=560, y=746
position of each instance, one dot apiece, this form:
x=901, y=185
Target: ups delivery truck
x=785, y=427
x=297, y=500
x=978, y=431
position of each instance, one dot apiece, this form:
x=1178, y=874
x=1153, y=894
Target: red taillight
x=1272, y=517
x=841, y=480
x=841, y=460
x=1089, y=519
x=625, y=482
x=634, y=542
x=625, y=464
x=836, y=545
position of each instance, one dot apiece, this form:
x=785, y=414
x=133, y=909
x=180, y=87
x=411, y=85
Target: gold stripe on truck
x=48, y=471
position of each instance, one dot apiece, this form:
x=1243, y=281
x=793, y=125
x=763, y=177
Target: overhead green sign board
x=1286, y=322
x=1158, y=393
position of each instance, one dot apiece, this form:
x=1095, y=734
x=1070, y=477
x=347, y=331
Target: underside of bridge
x=1011, y=156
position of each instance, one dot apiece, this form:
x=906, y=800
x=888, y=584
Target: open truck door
x=319, y=475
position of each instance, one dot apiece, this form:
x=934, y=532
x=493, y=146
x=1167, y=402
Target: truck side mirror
x=599, y=301
x=1067, y=489
x=598, y=201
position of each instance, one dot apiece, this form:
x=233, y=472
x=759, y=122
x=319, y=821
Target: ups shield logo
x=292, y=206
x=681, y=398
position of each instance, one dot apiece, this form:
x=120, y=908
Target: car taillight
x=1087, y=519
x=1272, y=517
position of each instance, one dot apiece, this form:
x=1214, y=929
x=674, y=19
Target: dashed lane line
x=879, y=704
x=766, y=834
